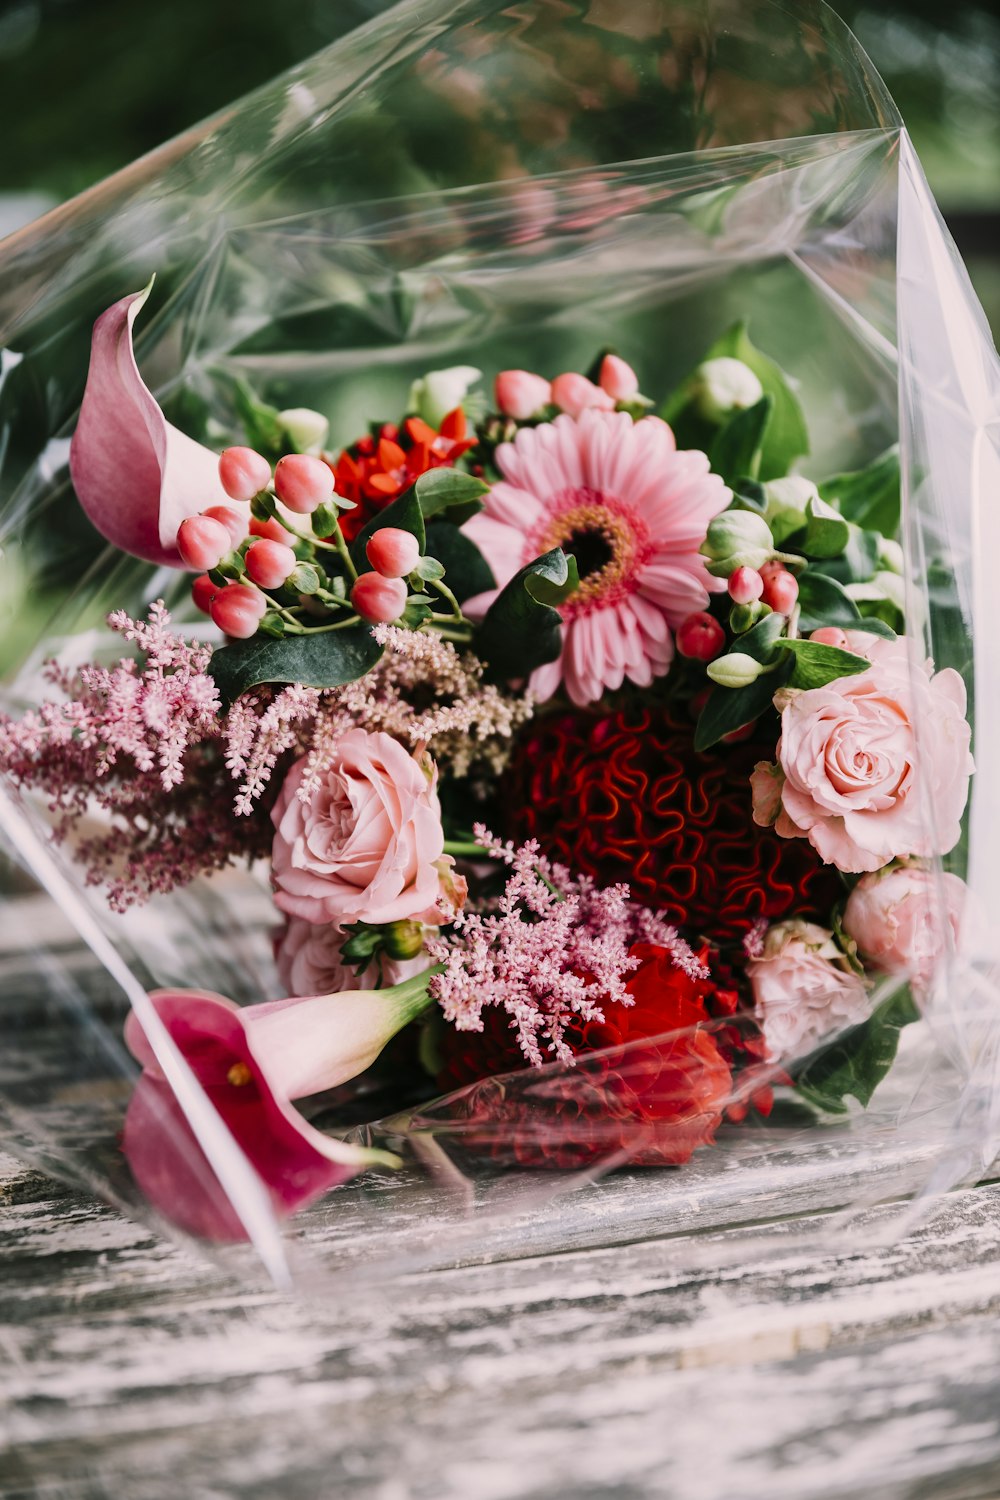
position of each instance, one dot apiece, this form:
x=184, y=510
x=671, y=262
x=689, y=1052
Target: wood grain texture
x=130, y=1368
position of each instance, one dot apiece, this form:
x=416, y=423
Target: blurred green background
x=91, y=84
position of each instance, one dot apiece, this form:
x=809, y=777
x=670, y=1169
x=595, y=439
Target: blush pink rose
x=906, y=920
x=803, y=989
x=365, y=844
x=309, y=962
x=876, y=766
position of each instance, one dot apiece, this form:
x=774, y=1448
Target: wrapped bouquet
x=563, y=755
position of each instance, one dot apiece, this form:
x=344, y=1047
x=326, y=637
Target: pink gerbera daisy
x=634, y=512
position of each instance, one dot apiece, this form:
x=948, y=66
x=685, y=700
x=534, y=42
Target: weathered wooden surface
x=129, y=1369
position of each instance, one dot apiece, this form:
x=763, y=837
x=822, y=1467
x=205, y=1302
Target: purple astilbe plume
x=552, y=952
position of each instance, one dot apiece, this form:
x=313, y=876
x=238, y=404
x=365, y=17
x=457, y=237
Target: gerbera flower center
x=606, y=536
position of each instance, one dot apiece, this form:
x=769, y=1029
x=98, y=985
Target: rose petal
x=135, y=475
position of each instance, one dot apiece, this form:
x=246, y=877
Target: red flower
x=655, y=1091
x=377, y=469
x=624, y=797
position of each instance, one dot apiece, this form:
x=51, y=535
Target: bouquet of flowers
x=605, y=757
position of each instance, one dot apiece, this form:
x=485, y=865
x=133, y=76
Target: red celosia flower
x=649, y=1084
x=624, y=797
x=377, y=469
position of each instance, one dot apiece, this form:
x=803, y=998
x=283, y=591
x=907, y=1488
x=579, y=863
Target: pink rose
x=876, y=766
x=309, y=962
x=906, y=919
x=366, y=843
x=802, y=989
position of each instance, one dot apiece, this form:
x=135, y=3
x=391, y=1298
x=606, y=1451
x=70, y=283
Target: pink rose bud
x=303, y=482
x=379, y=600
x=574, y=394
x=907, y=921
x=202, y=542
x=270, y=563
x=780, y=588
x=745, y=585
x=238, y=609
x=243, y=473
x=831, y=635
x=272, y=529
x=700, y=636
x=393, y=552
x=521, y=395
x=203, y=591
x=234, y=523
x=617, y=378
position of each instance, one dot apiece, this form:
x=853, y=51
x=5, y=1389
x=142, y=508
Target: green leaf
x=451, y=494
x=822, y=601
x=326, y=660
x=522, y=629
x=760, y=641
x=816, y=664
x=736, y=452
x=827, y=534
x=869, y=497
x=787, y=435
x=304, y=579
x=859, y=560
x=466, y=569
x=857, y=1062
x=730, y=708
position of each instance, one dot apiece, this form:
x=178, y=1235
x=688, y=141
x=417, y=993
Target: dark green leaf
x=859, y=560
x=466, y=569
x=730, y=708
x=822, y=601
x=750, y=495
x=760, y=641
x=736, y=451
x=451, y=494
x=816, y=664
x=787, y=435
x=522, y=631
x=869, y=497
x=326, y=660
x=857, y=1062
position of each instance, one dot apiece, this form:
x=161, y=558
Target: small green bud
x=743, y=616
x=737, y=539
x=403, y=939
x=734, y=670
x=723, y=386
x=305, y=429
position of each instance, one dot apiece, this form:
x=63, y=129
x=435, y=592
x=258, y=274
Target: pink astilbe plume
x=553, y=952
x=140, y=743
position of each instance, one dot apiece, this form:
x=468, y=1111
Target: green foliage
x=523, y=629
x=447, y=494
x=816, y=664
x=787, y=436
x=737, y=450
x=466, y=568
x=826, y=535
x=822, y=601
x=869, y=497
x=327, y=659
x=857, y=1062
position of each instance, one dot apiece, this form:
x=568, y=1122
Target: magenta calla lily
x=252, y=1062
x=136, y=476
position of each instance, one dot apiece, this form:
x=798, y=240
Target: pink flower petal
x=135, y=475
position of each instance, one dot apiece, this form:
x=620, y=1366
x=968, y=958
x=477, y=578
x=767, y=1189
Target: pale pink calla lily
x=135, y=475
x=251, y=1063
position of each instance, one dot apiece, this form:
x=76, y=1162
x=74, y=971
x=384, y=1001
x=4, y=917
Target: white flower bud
x=723, y=386
x=306, y=429
x=737, y=539
x=440, y=391
x=734, y=670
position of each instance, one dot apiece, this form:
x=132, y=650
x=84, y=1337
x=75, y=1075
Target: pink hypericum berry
x=379, y=600
x=270, y=563
x=243, y=473
x=303, y=482
x=830, y=635
x=203, y=591
x=781, y=590
x=202, y=542
x=393, y=552
x=745, y=585
x=520, y=395
x=234, y=523
x=575, y=394
x=617, y=378
x=238, y=609
x=272, y=529
x=700, y=636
